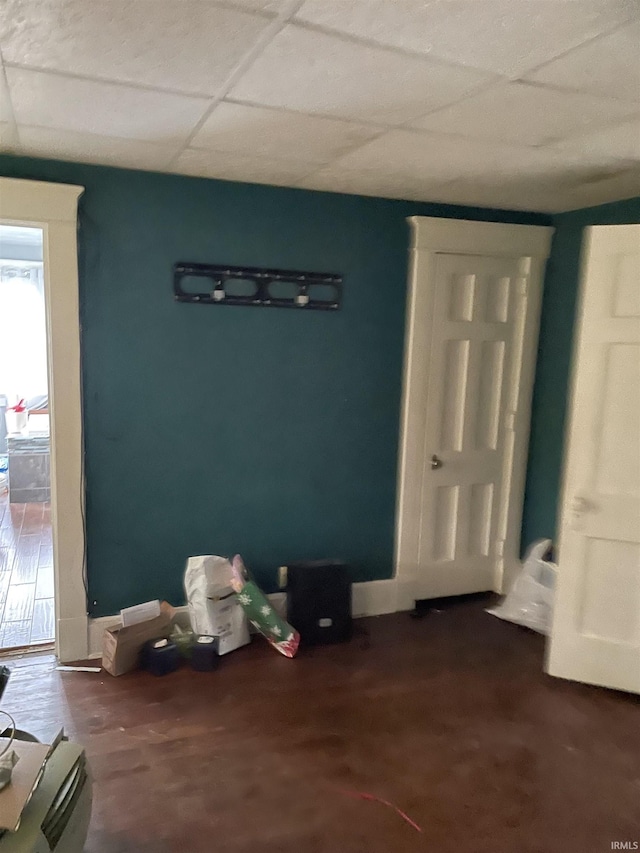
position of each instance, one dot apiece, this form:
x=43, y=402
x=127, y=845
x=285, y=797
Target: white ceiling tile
x=620, y=141
x=326, y=98
x=562, y=171
x=272, y=7
x=625, y=184
x=435, y=158
x=505, y=36
x=558, y=168
x=6, y=113
x=607, y=66
x=240, y=167
x=525, y=114
x=551, y=194
x=8, y=136
x=52, y=100
x=429, y=161
x=512, y=195
x=87, y=148
x=279, y=134
x=188, y=46
x=569, y=184
x=370, y=182
x=318, y=73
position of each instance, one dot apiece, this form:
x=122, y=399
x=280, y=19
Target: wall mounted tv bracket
x=224, y=285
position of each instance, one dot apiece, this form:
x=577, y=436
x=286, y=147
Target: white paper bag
x=213, y=606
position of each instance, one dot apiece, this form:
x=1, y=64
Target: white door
x=472, y=326
x=596, y=625
x=478, y=302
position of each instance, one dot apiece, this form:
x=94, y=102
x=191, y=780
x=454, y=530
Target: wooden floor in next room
x=26, y=574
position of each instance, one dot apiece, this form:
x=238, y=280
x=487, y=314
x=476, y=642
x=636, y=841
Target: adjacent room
x=27, y=610
x=319, y=426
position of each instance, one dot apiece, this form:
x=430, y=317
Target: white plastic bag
x=529, y=602
x=213, y=606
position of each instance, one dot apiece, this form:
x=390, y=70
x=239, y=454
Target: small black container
x=160, y=657
x=319, y=601
x=204, y=653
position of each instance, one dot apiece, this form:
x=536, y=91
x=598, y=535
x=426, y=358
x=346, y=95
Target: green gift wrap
x=261, y=614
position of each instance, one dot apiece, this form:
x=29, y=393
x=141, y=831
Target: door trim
x=53, y=208
x=429, y=237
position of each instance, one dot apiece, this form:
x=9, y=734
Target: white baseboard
x=372, y=598
x=71, y=638
x=405, y=595
x=97, y=627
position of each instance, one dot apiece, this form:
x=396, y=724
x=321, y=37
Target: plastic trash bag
x=529, y=602
x=213, y=606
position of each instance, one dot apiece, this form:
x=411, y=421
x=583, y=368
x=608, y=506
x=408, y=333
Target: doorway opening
x=27, y=598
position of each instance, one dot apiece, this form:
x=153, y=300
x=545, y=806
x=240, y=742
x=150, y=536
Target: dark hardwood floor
x=449, y=717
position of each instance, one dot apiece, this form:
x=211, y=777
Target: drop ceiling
x=524, y=104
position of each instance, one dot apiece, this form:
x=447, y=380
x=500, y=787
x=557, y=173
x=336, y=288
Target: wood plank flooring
x=26, y=574
x=450, y=717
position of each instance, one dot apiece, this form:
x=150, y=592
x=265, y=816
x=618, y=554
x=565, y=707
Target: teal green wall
x=214, y=430
x=552, y=373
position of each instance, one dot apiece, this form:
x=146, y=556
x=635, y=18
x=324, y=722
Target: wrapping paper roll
x=261, y=614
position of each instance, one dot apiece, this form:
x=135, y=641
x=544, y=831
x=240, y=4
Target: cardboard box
x=121, y=647
x=24, y=778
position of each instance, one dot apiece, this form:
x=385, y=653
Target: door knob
x=435, y=462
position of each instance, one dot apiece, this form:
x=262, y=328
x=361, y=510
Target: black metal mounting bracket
x=228, y=286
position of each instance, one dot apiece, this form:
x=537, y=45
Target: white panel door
x=596, y=626
x=475, y=342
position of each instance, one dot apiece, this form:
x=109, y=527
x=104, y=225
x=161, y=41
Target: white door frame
x=429, y=237
x=53, y=208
